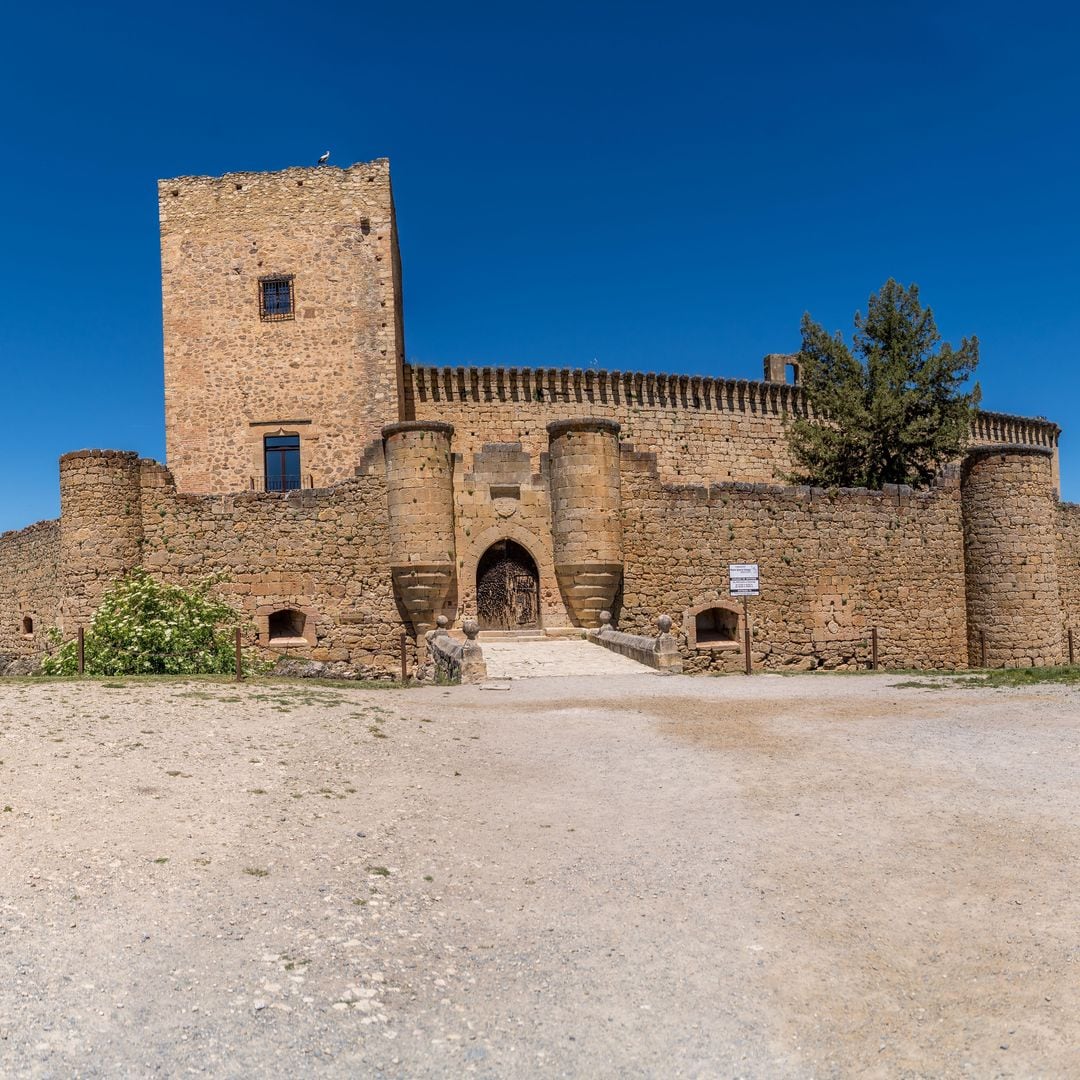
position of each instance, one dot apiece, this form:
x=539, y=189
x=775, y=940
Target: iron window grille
x=276, y=301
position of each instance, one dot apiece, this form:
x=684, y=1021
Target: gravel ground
x=619, y=876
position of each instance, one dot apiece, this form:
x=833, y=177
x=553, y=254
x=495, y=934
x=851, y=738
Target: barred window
x=276, y=298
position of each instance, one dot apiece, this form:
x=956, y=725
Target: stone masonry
x=328, y=372
x=559, y=493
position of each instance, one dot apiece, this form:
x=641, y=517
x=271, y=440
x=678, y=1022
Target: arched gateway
x=507, y=588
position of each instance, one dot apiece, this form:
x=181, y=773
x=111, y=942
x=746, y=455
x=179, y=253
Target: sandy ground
x=811, y=876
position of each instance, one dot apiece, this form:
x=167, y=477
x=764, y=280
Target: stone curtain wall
x=28, y=586
x=1068, y=567
x=230, y=377
x=833, y=565
x=326, y=553
x=701, y=430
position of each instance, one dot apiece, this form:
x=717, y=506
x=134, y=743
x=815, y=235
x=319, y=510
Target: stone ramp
x=555, y=656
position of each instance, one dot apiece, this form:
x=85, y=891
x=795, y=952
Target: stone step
x=510, y=635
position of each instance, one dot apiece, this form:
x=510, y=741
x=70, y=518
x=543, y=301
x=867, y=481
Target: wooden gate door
x=507, y=588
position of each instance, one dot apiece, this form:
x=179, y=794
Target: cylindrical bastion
x=100, y=528
x=586, y=518
x=1013, y=602
x=420, y=504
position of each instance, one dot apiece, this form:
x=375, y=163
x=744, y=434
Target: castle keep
x=348, y=496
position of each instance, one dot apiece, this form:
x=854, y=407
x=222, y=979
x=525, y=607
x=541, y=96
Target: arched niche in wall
x=286, y=626
x=714, y=621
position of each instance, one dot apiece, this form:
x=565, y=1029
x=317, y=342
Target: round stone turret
x=586, y=520
x=100, y=528
x=1010, y=558
x=420, y=504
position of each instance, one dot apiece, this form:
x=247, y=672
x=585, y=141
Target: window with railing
x=282, y=455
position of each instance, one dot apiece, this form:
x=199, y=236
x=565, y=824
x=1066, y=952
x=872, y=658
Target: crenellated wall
x=385, y=552
x=527, y=497
x=702, y=430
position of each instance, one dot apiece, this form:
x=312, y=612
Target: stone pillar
x=100, y=529
x=420, y=504
x=1010, y=557
x=586, y=520
x=666, y=650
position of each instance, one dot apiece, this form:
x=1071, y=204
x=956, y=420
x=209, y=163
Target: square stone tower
x=281, y=299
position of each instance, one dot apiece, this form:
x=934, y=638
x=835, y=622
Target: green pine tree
x=894, y=410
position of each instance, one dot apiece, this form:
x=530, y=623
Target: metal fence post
x=982, y=647
x=1071, y=655
x=403, y=643
x=873, y=648
x=746, y=635
x=239, y=658
x=82, y=651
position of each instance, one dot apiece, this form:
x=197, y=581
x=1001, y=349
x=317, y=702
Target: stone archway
x=507, y=588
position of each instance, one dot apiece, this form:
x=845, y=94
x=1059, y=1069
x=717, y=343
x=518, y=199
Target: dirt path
x=627, y=876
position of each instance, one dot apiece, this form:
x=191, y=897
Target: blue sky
x=654, y=187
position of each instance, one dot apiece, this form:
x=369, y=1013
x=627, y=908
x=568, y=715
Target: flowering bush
x=144, y=627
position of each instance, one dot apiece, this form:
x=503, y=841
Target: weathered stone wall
x=325, y=553
x=1068, y=567
x=833, y=566
x=1010, y=541
x=28, y=587
x=501, y=494
x=701, y=430
x=329, y=374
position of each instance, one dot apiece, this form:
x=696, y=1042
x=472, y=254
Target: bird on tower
x=325, y=158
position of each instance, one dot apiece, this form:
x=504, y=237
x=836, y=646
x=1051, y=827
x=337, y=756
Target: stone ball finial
x=471, y=628
x=605, y=618
x=442, y=622
x=664, y=623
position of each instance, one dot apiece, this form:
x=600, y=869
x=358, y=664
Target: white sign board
x=743, y=579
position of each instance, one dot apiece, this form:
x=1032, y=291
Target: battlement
x=433, y=383
x=700, y=428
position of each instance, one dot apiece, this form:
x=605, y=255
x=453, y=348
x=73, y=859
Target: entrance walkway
x=556, y=656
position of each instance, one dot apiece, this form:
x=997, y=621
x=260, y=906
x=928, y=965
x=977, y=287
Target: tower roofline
x=381, y=163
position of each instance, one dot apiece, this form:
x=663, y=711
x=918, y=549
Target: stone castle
x=348, y=496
